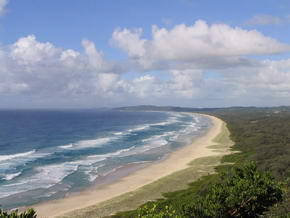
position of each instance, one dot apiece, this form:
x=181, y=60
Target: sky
x=109, y=53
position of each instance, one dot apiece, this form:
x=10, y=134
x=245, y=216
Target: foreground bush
x=153, y=212
x=14, y=214
x=242, y=192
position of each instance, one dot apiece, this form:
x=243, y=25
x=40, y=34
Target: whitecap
x=13, y=156
x=44, y=177
x=119, y=133
x=13, y=161
x=11, y=176
x=66, y=146
x=84, y=144
x=140, y=128
x=112, y=154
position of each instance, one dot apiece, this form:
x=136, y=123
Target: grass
x=176, y=181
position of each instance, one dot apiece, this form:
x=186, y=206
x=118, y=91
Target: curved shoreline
x=176, y=161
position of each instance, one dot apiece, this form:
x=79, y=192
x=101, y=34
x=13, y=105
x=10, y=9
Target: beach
x=178, y=160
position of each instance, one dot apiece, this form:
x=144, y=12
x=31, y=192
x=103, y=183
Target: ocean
x=46, y=154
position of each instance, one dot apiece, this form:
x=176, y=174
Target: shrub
x=244, y=192
x=30, y=213
x=152, y=211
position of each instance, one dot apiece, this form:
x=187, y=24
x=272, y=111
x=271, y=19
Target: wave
x=11, y=176
x=13, y=156
x=49, y=175
x=85, y=144
x=119, y=133
x=44, y=177
x=155, y=143
x=92, y=172
x=171, y=120
x=13, y=161
x=139, y=128
x=112, y=154
x=66, y=146
x=93, y=143
x=133, y=130
x=148, y=144
x=52, y=174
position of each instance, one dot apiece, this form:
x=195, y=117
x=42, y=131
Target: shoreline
x=176, y=161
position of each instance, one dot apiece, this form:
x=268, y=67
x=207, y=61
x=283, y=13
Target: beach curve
x=176, y=161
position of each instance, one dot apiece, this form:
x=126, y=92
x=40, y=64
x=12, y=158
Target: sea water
x=47, y=154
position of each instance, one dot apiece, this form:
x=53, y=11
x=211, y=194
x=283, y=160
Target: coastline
x=179, y=160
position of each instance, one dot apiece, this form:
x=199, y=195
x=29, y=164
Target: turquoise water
x=47, y=154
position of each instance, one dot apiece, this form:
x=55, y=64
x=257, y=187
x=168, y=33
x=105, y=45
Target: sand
x=176, y=161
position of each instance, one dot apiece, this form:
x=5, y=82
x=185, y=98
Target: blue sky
x=65, y=24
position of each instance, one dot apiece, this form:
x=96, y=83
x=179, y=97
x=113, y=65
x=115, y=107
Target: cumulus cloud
x=130, y=41
x=28, y=51
x=182, y=84
x=37, y=68
x=272, y=76
x=186, y=83
x=196, y=44
x=184, y=55
x=40, y=67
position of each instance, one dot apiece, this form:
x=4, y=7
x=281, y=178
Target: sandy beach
x=178, y=160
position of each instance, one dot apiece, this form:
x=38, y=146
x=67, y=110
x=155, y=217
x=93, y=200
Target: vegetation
x=241, y=192
x=262, y=135
x=30, y=213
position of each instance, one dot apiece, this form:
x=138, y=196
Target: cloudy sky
x=106, y=53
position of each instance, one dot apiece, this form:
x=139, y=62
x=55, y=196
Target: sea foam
x=11, y=176
x=18, y=155
x=85, y=144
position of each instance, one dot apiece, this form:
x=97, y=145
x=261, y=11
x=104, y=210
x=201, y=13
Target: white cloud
x=184, y=54
x=199, y=43
x=14, y=88
x=41, y=68
x=273, y=76
x=95, y=59
x=146, y=86
x=186, y=83
x=266, y=19
x=130, y=41
x=3, y=4
x=28, y=51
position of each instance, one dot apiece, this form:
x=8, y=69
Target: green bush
x=153, y=211
x=242, y=192
x=30, y=213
